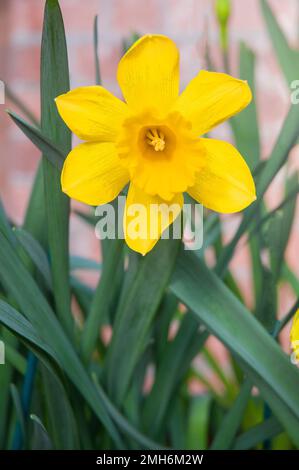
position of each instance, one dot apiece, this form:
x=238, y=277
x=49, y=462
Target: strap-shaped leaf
x=245, y=124
x=20, y=285
x=266, y=365
x=287, y=57
x=257, y=434
x=43, y=143
x=54, y=81
x=171, y=369
x=135, y=315
x=284, y=143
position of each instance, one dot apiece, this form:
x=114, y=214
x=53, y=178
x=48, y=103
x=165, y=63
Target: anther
x=156, y=139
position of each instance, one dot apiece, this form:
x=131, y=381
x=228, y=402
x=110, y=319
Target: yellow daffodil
x=152, y=140
x=294, y=336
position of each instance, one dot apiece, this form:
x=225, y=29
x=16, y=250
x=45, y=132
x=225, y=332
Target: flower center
x=156, y=139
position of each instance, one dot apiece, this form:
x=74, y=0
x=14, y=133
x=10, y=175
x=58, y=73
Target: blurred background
x=192, y=24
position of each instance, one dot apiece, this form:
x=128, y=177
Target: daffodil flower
x=152, y=139
x=294, y=336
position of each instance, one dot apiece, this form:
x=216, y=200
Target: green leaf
x=40, y=439
x=55, y=81
x=88, y=217
x=11, y=96
x=284, y=143
x=16, y=322
x=246, y=132
x=212, y=232
x=124, y=424
x=198, y=423
x=5, y=225
x=16, y=359
x=167, y=310
x=135, y=314
x=229, y=385
x=266, y=306
x=245, y=124
x=170, y=370
x=61, y=421
x=19, y=409
x=83, y=293
x=202, y=377
x=36, y=254
x=291, y=195
x=79, y=262
x=6, y=377
x=286, y=140
x=277, y=235
x=289, y=276
x=51, y=151
x=129, y=41
x=280, y=324
x=280, y=229
x=177, y=425
x=102, y=299
x=95, y=48
x=230, y=321
x=35, y=219
x=20, y=285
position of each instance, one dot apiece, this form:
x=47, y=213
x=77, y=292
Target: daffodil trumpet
x=152, y=140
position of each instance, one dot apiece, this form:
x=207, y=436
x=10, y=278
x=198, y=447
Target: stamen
x=156, y=139
x=150, y=134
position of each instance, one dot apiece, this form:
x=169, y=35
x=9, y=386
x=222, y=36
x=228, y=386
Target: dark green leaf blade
x=287, y=57
x=245, y=124
x=229, y=320
x=135, y=315
x=257, y=434
x=284, y=143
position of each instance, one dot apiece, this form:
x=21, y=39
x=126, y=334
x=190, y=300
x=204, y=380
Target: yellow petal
x=294, y=335
x=224, y=183
x=148, y=74
x=92, y=173
x=146, y=217
x=211, y=98
x=92, y=113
